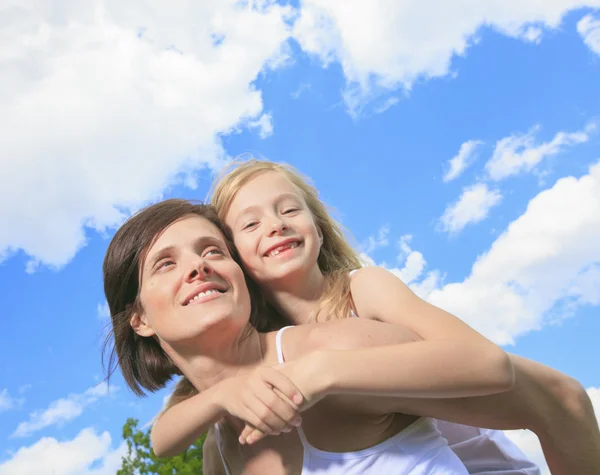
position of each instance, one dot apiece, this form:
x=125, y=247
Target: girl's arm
x=452, y=360
x=548, y=402
x=551, y=404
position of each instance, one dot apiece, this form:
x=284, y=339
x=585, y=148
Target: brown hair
x=336, y=259
x=143, y=362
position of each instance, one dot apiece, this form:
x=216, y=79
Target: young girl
x=265, y=204
x=178, y=299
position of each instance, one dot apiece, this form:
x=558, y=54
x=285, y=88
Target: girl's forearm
x=181, y=425
x=424, y=369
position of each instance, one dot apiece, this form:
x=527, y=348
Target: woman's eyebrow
x=204, y=241
x=160, y=254
x=201, y=242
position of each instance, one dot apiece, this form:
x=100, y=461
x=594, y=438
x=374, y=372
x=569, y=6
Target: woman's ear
x=139, y=323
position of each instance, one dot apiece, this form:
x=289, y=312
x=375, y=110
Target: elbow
x=157, y=448
x=574, y=398
x=162, y=452
x=503, y=371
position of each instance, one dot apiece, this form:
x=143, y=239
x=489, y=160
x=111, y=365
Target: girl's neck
x=297, y=298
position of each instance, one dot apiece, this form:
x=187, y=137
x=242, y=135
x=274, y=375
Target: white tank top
x=483, y=451
x=417, y=450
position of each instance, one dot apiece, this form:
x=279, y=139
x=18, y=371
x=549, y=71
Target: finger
x=279, y=407
x=283, y=384
x=256, y=414
x=248, y=429
x=267, y=407
x=254, y=437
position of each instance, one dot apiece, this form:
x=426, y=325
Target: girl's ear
x=140, y=324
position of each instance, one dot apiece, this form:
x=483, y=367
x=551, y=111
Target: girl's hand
x=265, y=399
x=306, y=374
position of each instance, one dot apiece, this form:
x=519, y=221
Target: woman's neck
x=216, y=364
x=298, y=298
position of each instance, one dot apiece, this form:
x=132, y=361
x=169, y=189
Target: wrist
x=325, y=379
x=217, y=398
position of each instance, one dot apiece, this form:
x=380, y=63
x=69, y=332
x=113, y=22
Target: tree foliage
x=140, y=458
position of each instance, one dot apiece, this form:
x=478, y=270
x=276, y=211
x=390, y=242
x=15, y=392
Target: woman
x=179, y=300
x=252, y=201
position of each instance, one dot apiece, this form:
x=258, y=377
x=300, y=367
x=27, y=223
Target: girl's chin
x=285, y=272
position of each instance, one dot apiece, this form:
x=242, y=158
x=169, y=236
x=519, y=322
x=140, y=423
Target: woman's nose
x=199, y=269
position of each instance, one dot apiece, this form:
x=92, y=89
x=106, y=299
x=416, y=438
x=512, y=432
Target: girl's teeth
x=290, y=246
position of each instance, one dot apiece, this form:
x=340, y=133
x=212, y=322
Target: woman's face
x=273, y=229
x=191, y=288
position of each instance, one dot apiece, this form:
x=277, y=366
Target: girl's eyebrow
x=252, y=208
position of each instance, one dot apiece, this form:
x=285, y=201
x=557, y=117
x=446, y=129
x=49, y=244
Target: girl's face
x=273, y=229
x=191, y=288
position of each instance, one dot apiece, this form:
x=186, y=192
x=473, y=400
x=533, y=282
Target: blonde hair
x=184, y=389
x=336, y=259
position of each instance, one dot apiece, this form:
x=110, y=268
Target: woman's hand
x=265, y=399
x=306, y=374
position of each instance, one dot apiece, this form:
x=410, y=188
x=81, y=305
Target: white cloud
x=87, y=454
x=102, y=311
x=589, y=29
x=304, y=86
x=414, y=265
x=386, y=44
x=414, y=262
x=529, y=443
x=26, y=387
x=389, y=102
x=61, y=411
x=472, y=206
x=376, y=241
x=104, y=105
x=545, y=258
x=520, y=153
x=7, y=402
x=264, y=125
x=463, y=159
x=543, y=267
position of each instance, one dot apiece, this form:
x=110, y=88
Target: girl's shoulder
x=369, y=273
x=369, y=287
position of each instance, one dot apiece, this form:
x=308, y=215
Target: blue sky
x=461, y=149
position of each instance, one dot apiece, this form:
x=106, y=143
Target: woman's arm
x=264, y=397
x=181, y=425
